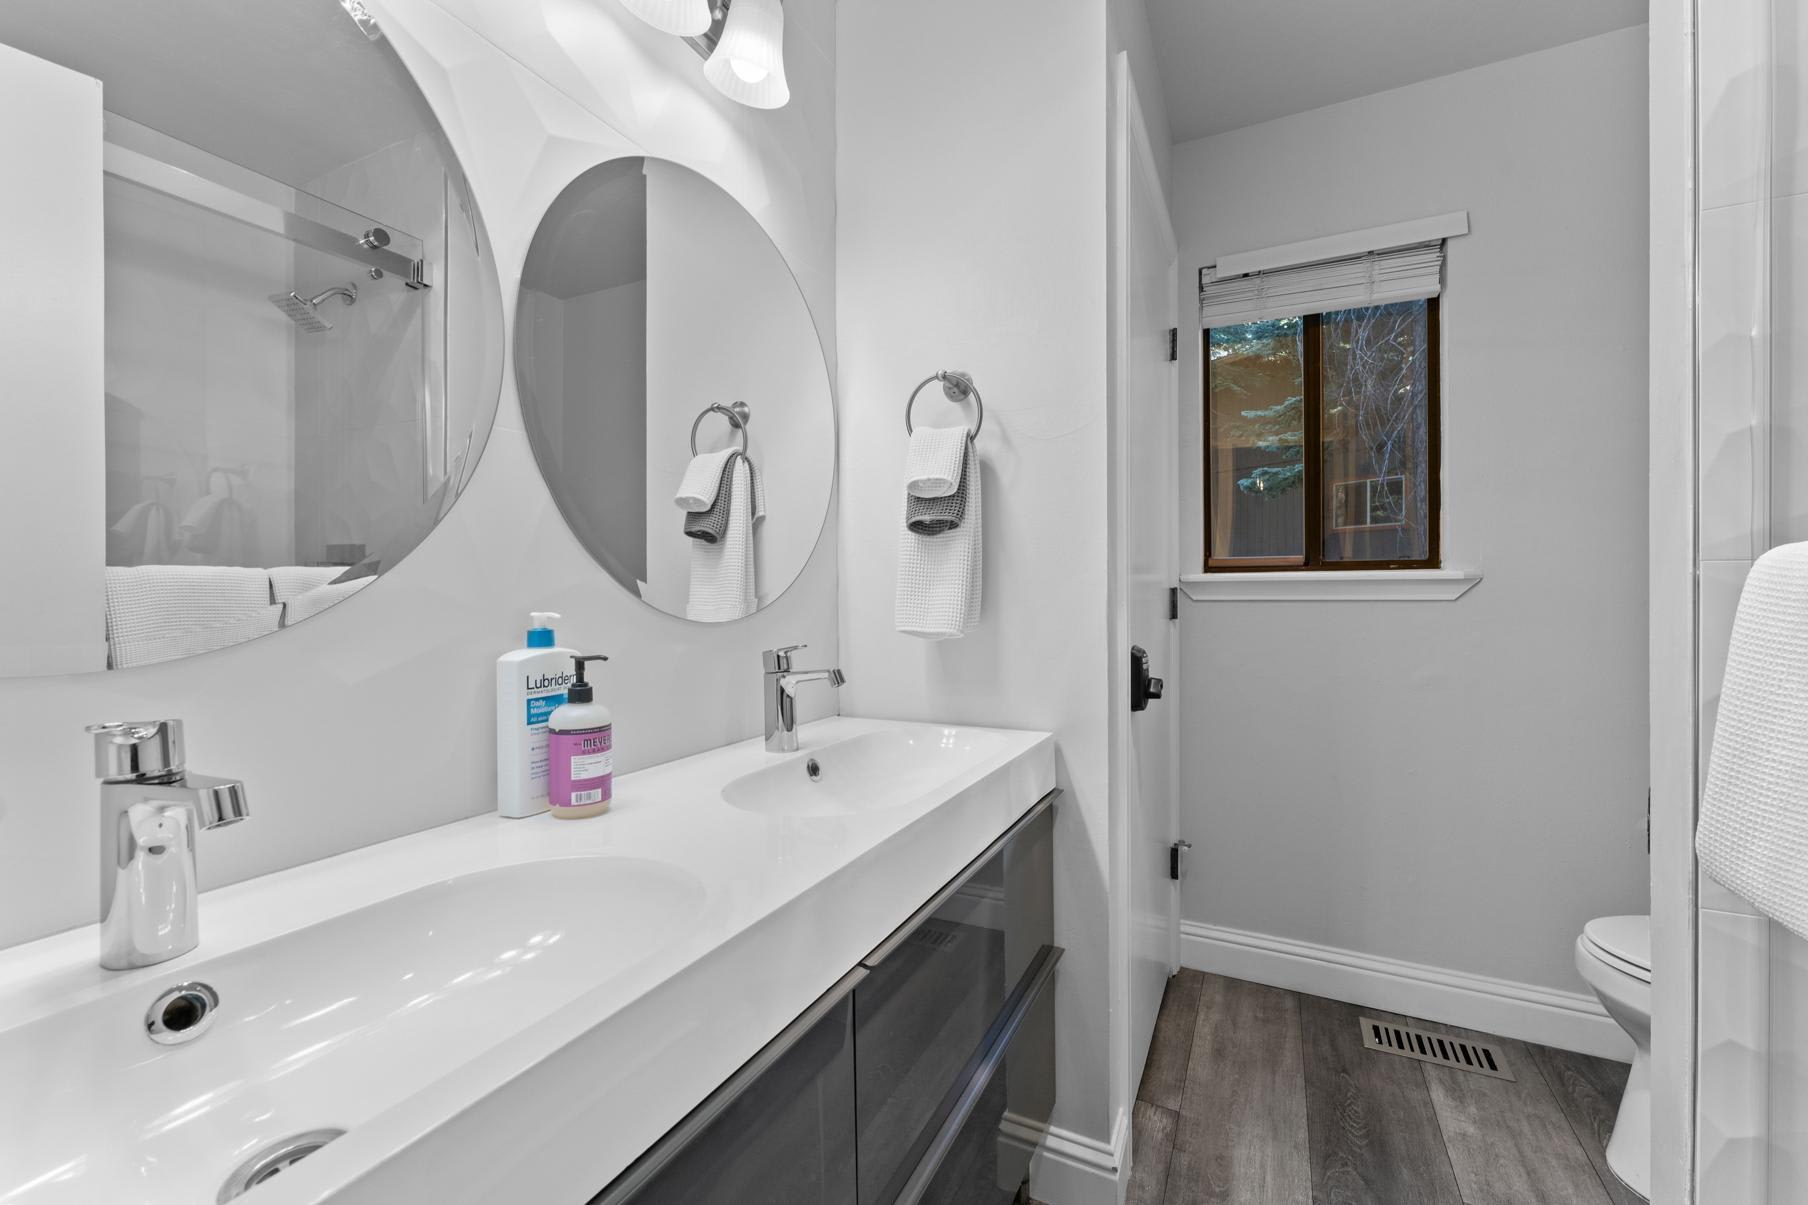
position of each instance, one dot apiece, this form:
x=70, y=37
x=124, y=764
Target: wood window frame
x=1313, y=378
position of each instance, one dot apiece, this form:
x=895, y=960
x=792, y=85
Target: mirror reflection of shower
x=336, y=414
x=304, y=312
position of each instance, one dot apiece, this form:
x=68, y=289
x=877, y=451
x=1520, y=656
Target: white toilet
x=1614, y=956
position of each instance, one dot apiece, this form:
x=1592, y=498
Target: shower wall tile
x=1734, y=1003
x=1734, y=349
x=1752, y=1038
x=1787, y=1064
x=1789, y=120
x=1719, y=586
x=1733, y=65
x=1789, y=371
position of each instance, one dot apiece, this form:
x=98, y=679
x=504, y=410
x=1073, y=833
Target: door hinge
x=1174, y=852
x=1173, y=344
x=1173, y=602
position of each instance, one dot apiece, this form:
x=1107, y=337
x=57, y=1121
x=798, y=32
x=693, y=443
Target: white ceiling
x=1226, y=64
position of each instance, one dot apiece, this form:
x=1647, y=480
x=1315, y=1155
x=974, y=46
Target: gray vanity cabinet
x=925, y=1075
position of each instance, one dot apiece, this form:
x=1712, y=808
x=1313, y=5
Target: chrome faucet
x=781, y=695
x=150, y=807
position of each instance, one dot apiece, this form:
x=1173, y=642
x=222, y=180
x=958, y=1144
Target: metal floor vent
x=1437, y=1048
x=933, y=937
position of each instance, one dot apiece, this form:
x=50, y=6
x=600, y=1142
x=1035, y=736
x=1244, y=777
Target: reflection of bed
x=163, y=612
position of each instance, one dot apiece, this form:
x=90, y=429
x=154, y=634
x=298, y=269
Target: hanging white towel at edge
x=1753, y=832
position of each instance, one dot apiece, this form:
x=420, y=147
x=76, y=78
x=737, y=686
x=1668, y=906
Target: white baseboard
x=1074, y=1169
x=1566, y=1020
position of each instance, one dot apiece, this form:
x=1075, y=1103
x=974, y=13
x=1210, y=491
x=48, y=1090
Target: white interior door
x=1148, y=426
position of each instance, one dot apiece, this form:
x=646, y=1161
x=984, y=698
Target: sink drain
x=272, y=1161
x=181, y=1014
x=814, y=769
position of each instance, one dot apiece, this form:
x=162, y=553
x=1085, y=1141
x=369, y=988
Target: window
x=1322, y=440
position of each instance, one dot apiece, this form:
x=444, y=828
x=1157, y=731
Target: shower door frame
x=1674, y=628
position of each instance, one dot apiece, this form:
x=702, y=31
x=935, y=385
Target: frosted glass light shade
x=685, y=18
x=749, y=62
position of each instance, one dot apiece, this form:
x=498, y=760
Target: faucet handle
x=127, y=749
x=778, y=660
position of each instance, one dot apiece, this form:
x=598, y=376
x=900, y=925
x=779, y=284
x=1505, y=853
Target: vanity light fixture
x=684, y=18
x=748, y=64
x=742, y=43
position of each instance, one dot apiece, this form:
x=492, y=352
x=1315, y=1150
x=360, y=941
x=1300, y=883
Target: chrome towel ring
x=737, y=415
x=957, y=387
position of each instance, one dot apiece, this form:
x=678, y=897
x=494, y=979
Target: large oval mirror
x=255, y=330
x=674, y=389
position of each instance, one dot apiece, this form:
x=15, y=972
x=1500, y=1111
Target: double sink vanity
x=809, y=977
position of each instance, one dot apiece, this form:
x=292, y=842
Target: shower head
x=305, y=311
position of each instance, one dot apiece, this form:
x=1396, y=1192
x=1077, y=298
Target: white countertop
x=553, y=1112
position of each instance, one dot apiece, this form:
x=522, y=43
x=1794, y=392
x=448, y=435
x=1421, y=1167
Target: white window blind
x=1375, y=278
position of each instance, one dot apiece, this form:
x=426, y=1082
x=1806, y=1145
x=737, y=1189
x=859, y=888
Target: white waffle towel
x=939, y=576
x=1753, y=833
x=722, y=574
x=313, y=602
x=161, y=612
x=697, y=491
x=932, y=464
x=289, y=582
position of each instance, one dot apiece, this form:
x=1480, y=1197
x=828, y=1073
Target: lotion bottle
x=582, y=743
x=530, y=685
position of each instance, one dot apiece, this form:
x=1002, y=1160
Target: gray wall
x=1004, y=277
x=1460, y=784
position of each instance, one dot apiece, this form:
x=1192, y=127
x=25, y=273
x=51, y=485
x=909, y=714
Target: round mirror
x=674, y=389
x=259, y=327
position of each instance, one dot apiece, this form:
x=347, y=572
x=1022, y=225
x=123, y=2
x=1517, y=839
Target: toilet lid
x=1625, y=940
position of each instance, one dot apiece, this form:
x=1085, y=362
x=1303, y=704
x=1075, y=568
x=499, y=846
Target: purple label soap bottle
x=581, y=748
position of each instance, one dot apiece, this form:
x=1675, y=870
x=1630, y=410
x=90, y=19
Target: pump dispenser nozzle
x=580, y=690
x=539, y=629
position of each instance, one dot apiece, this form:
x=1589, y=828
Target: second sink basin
x=873, y=772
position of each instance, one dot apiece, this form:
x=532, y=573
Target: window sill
x=1356, y=585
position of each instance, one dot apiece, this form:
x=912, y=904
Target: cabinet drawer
x=934, y=992
x=987, y=1159
x=779, y=1135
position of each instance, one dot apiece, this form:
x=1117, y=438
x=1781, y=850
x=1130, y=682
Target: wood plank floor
x=1257, y=1096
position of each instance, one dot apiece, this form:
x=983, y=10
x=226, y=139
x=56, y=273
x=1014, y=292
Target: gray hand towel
x=708, y=525
x=935, y=516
